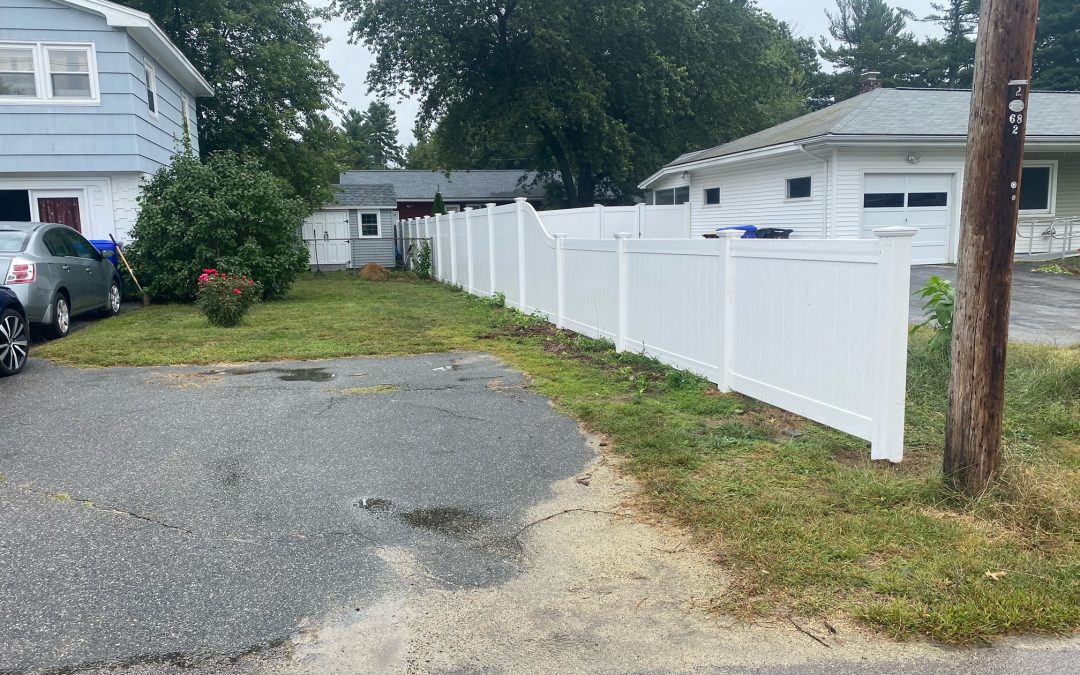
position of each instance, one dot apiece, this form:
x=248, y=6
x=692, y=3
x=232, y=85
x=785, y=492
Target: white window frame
x=360, y=225
x=705, y=199
x=1051, y=194
x=673, y=188
x=42, y=79
x=787, y=188
x=150, y=74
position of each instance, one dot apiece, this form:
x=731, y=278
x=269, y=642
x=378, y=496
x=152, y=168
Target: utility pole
x=991, y=203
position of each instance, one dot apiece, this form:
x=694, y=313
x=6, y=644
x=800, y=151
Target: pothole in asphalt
x=375, y=504
x=289, y=374
x=448, y=520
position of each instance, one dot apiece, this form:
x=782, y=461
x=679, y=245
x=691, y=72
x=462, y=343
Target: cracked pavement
x=176, y=515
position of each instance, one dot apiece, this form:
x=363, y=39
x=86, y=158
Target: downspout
x=825, y=209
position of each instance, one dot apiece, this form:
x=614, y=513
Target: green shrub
x=938, y=311
x=226, y=213
x=422, y=264
x=225, y=298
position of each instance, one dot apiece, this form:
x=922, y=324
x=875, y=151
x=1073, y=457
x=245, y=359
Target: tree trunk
x=1003, y=59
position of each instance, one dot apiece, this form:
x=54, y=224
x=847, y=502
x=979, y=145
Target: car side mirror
x=98, y=256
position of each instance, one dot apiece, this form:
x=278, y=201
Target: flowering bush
x=223, y=298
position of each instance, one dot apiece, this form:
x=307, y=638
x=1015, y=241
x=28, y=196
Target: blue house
x=93, y=97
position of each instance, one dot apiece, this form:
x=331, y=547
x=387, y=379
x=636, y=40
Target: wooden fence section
x=817, y=327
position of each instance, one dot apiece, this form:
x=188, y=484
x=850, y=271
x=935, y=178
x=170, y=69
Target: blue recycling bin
x=749, y=231
x=107, y=249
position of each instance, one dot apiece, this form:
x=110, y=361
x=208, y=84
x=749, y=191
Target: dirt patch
x=365, y=391
x=374, y=272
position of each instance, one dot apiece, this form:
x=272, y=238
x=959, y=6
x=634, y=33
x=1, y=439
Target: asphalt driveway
x=1045, y=307
x=169, y=515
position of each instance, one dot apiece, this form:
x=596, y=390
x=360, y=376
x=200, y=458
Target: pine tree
x=438, y=206
x=872, y=36
x=950, y=60
x=1057, y=46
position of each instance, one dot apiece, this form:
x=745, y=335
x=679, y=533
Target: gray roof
x=365, y=195
x=902, y=112
x=478, y=186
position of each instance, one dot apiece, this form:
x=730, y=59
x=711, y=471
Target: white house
x=885, y=157
x=93, y=97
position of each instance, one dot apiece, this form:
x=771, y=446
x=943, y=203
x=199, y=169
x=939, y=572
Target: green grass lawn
x=796, y=511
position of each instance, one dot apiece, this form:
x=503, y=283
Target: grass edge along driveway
x=797, y=512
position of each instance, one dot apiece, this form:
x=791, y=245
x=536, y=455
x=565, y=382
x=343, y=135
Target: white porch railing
x=817, y=327
x=1048, y=237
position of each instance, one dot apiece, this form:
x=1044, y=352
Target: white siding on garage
x=755, y=193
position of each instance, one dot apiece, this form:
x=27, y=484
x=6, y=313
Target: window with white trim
x=1037, y=188
x=40, y=72
x=799, y=188
x=669, y=196
x=711, y=196
x=151, y=89
x=369, y=224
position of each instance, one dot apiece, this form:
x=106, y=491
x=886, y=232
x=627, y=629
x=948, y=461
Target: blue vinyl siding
x=116, y=135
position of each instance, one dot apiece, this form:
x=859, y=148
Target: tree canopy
x=372, y=137
x=272, y=88
x=870, y=36
x=598, y=93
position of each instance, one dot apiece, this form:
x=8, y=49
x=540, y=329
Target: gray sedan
x=56, y=274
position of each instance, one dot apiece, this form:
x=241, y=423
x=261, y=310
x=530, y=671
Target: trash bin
x=749, y=231
x=774, y=233
x=108, y=249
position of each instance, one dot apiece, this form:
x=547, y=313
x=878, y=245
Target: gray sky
x=806, y=17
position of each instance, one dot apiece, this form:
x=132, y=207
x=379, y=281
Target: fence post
x=426, y=239
x=438, y=250
x=890, y=368
x=491, y=245
x=689, y=214
x=598, y=210
x=469, y=250
x=727, y=296
x=522, y=304
x=623, y=294
x=640, y=221
x=560, y=280
x=453, y=250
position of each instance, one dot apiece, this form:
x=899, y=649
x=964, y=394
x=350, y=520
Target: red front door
x=62, y=210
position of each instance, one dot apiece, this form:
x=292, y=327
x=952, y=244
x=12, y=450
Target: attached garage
x=922, y=200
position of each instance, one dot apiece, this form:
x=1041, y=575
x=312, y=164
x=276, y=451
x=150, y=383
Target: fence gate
x=327, y=237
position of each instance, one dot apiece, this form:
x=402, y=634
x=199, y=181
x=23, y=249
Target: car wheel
x=112, y=305
x=14, y=342
x=61, y=316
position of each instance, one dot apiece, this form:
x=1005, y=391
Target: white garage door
x=922, y=200
x=330, y=232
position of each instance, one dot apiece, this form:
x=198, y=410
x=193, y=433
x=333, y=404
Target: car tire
x=14, y=342
x=61, y=316
x=112, y=301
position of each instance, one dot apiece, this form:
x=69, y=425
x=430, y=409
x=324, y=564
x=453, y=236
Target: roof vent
x=870, y=81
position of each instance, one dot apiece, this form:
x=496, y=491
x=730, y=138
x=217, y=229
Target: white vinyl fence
x=817, y=327
x=603, y=222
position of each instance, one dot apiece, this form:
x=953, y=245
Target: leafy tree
x=871, y=37
x=1057, y=46
x=597, y=93
x=372, y=137
x=950, y=60
x=422, y=154
x=225, y=212
x=271, y=86
x=437, y=206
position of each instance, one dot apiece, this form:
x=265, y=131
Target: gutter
x=828, y=187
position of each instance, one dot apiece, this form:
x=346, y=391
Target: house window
x=798, y=188
x=151, y=89
x=369, y=224
x=676, y=195
x=69, y=72
x=38, y=72
x=1035, y=189
x=17, y=78
x=712, y=196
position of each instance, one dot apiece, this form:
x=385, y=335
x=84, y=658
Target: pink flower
x=237, y=291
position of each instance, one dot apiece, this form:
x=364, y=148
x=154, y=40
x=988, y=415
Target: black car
x=14, y=333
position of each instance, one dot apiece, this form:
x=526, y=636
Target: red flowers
x=237, y=291
x=225, y=300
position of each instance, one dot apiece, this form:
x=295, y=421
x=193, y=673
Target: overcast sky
x=806, y=17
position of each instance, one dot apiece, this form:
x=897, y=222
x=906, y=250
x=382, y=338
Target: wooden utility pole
x=991, y=203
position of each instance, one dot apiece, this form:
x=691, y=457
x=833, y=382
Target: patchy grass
x=804, y=520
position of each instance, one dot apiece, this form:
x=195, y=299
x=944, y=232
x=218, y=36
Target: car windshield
x=12, y=241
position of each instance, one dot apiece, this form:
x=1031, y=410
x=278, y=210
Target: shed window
x=1035, y=189
x=369, y=224
x=712, y=196
x=69, y=72
x=151, y=89
x=798, y=188
x=17, y=72
x=676, y=195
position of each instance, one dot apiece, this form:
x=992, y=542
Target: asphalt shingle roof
x=476, y=186
x=902, y=112
x=365, y=195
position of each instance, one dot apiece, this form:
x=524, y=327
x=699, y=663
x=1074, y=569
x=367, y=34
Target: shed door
x=922, y=200
x=327, y=235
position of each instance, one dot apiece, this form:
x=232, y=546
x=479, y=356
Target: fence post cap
x=623, y=235
x=519, y=200
x=468, y=208
x=561, y=235
x=491, y=205
x=897, y=231
x=730, y=234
